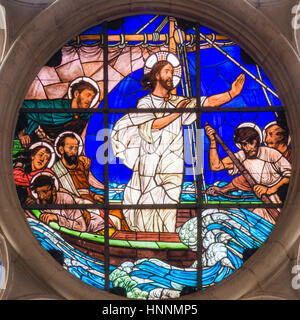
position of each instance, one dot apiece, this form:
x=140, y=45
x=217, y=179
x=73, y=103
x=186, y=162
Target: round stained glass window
x=152, y=157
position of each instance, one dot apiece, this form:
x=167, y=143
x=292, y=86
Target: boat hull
x=173, y=253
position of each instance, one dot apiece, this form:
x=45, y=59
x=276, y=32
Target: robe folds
x=75, y=182
x=156, y=158
x=268, y=168
x=50, y=119
x=74, y=218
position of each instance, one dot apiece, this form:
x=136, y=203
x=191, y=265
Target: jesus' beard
x=166, y=84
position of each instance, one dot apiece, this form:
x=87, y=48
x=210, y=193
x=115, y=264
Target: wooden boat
x=132, y=246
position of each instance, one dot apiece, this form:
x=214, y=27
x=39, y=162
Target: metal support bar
x=106, y=163
x=111, y=206
x=199, y=195
x=151, y=110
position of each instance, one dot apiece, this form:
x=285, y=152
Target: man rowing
x=268, y=168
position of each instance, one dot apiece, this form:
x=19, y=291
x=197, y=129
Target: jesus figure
x=151, y=144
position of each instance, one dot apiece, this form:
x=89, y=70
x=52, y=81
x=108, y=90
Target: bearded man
x=74, y=178
x=275, y=135
x=151, y=144
x=80, y=220
x=267, y=166
x=32, y=127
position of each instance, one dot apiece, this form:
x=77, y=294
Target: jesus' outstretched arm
x=224, y=97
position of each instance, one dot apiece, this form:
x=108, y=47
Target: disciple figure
x=74, y=177
x=45, y=191
x=37, y=126
x=267, y=166
x=274, y=135
x=151, y=144
x=28, y=163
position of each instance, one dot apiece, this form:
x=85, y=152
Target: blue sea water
x=116, y=192
x=241, y=229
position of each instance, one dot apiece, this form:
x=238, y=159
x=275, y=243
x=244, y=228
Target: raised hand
x=237, y=85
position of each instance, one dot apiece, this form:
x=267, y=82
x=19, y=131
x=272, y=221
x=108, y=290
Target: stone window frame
x=39, y=41
x=4, y=260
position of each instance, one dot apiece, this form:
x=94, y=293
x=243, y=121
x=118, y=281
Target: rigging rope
x=188, y=92
x=147, y=24
x=239, y=65
x=264, y=90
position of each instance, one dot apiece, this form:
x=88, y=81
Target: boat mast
x=172, y=42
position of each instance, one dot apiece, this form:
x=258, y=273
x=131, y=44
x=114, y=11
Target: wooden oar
x=265, y=198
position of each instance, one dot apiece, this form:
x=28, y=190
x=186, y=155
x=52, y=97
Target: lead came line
x=106, y=164
x=239, y=65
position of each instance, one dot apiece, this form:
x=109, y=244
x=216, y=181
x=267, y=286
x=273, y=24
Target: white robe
x=267, y=169
x=157, y=160
x=73, y=218
x=68, y=186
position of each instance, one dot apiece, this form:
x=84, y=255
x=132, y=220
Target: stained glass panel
x=230, y=236
x=268, y=162
x=222, y=61
x=151, y=156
